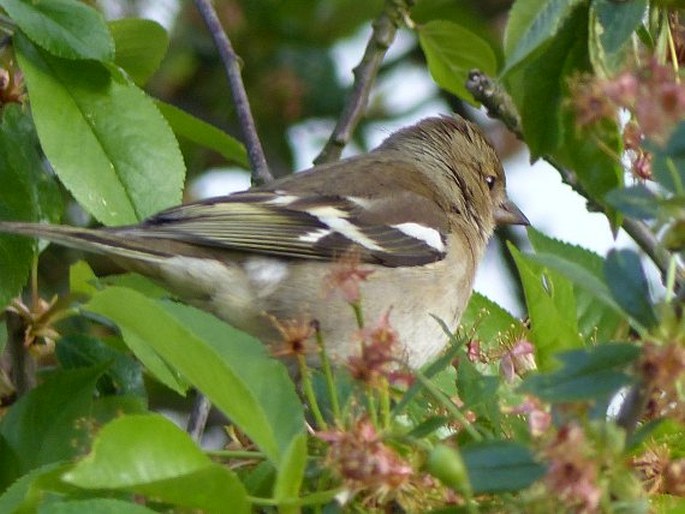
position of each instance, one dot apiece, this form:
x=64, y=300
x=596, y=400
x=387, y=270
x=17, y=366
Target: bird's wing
x=310, y=226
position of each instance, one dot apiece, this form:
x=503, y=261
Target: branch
x=260, y=169
x=500, y=105
x=22, y=366
x=384, y=30
x=496, y=100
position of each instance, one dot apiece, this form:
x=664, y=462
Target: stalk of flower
x=296, y=334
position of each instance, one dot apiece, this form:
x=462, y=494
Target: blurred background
x=298, y=58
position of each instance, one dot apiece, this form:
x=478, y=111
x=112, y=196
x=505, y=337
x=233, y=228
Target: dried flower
x=39, y=319
x=662, y=366
x=295, y=333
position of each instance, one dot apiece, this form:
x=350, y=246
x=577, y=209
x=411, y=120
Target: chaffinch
x=407, y=222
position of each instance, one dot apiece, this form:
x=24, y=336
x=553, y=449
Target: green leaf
x=478, y=391
x=628, y=284
x=98, y=506
x=490, y=321
x=124, y=374
x=597, y=314
x=140, y=46
x=612, y=25
x=146, y=353
x=228, y=366
x=149, y=455
x=585, y=374
x=104, y=137
x=65, y=28
x=499, y=466
x=635, y=201
x=595, y=166
x=15, y=495
x=200, y=132
x=551, y=307
x=531, y=24
x=451, y=52
x=668, y=163
x=46, y=425
x=19, y=161
x=544, y=75
x=291, y=473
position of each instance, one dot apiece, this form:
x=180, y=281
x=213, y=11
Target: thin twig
x=260, y=169
x=499, y=105
x=384, y=30
x=22, y=366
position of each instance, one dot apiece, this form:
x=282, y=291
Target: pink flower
x=518, y=360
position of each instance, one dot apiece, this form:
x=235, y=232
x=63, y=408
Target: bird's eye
x=490, y=181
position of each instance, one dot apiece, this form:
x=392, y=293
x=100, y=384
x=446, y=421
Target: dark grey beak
x=508, y=214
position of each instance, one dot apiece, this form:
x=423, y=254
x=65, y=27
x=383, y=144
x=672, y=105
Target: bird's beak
x=508, y=214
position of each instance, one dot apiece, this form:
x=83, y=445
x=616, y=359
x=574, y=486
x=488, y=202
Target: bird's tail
x=108, y=241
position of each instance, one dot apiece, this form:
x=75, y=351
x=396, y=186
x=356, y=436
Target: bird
x=412, y=218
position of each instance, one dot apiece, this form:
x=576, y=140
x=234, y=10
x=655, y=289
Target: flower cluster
x=572, y=474
x=653, y=97
x=378, y=359
x=661, y=368
x=361, y=459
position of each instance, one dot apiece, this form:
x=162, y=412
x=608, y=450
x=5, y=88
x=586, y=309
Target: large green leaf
x=140, y=46
x=149, y=455
x=228, y=366
x=451, y=52
x=531, y=24
x=47, y=424
x=19, y=164
x=542, y=77
x=551, y=307
x=65, y=28
x=104, y=137
x=498, y=466
x=598, y=314
x=200, y=132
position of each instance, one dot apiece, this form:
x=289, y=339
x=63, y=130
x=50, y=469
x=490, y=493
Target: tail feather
x=105, y=241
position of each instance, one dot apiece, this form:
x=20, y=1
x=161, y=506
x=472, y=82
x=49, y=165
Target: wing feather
x=311, y=226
